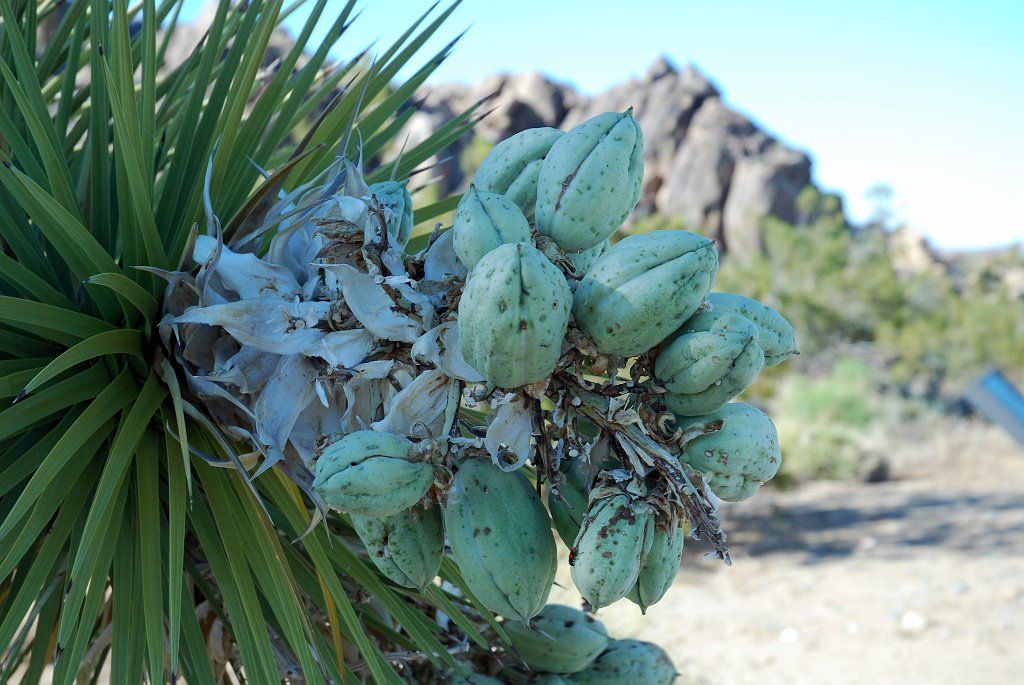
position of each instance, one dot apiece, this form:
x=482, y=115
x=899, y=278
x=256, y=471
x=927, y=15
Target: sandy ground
x=918, y=580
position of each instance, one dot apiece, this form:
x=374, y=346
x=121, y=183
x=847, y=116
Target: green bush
x=933, y=331
x=822, y=422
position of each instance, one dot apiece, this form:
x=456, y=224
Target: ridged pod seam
x=643, y=289
x=406, y=547
x=513, y=316
x=500, y=536
x=741, y=456
x=512, y=167
x=776, y=335
x=659, y=568
x=712, y=358
x=616, y=535
x=585, y=260
x=590, y=181
x=628, y=661
x=368, y=473
x=560, y=639
x=483, y=221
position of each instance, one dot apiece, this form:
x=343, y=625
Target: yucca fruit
x=242, y=362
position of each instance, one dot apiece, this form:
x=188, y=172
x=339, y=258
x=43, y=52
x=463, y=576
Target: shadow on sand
x=887, y=521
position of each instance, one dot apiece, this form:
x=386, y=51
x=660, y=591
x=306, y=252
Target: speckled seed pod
x=395, y=196
x=617, y=534
x=512, y=167
x=659, y=569
x=628, y=661
x=590, y=181
x=561, y=639
x=775, y=334
x=713, y=358
x=740, y=457
x=568, y=503
x=643, y=289
x=485, y=220
x=369, y=473
x=500, y=536
x=513, y=316
x=406, y=547
x=583, y=261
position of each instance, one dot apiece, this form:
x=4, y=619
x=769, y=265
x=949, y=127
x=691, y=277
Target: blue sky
x=927, y=97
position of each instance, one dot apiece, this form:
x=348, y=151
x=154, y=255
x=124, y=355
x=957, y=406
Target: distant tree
x=881, y=195
x=841, y=292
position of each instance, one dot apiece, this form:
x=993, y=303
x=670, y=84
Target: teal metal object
x=996, y=397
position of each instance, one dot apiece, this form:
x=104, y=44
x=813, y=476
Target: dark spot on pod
x=607, y=555
x=523, y=325
x=487, y=530
x=476, y=532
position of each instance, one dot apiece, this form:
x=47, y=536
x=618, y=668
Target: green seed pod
x=513, y=316
x=568, y=502
x=552, y=679
x=500, y=536
x=368, y=473
x=590, y=181
x=395, y=196
x=616, y=536
x=629, y=661
x=643, y=289
x=740, y=457
x=476, y=679
x=583, y=261
x=512, y=167
x=713, y=359
x=560, y=640
x=568, y=505
x=485, y=220
x=659, y=569
x=776, y=335
x=406, y=547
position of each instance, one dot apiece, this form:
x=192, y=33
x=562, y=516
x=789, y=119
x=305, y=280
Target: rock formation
x=707, y=165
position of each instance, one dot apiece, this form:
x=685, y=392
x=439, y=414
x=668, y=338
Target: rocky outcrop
x=705, y=164
x=911, y=254
x=765, y=184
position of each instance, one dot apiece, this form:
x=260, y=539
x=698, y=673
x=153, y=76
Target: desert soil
x=917, y=580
